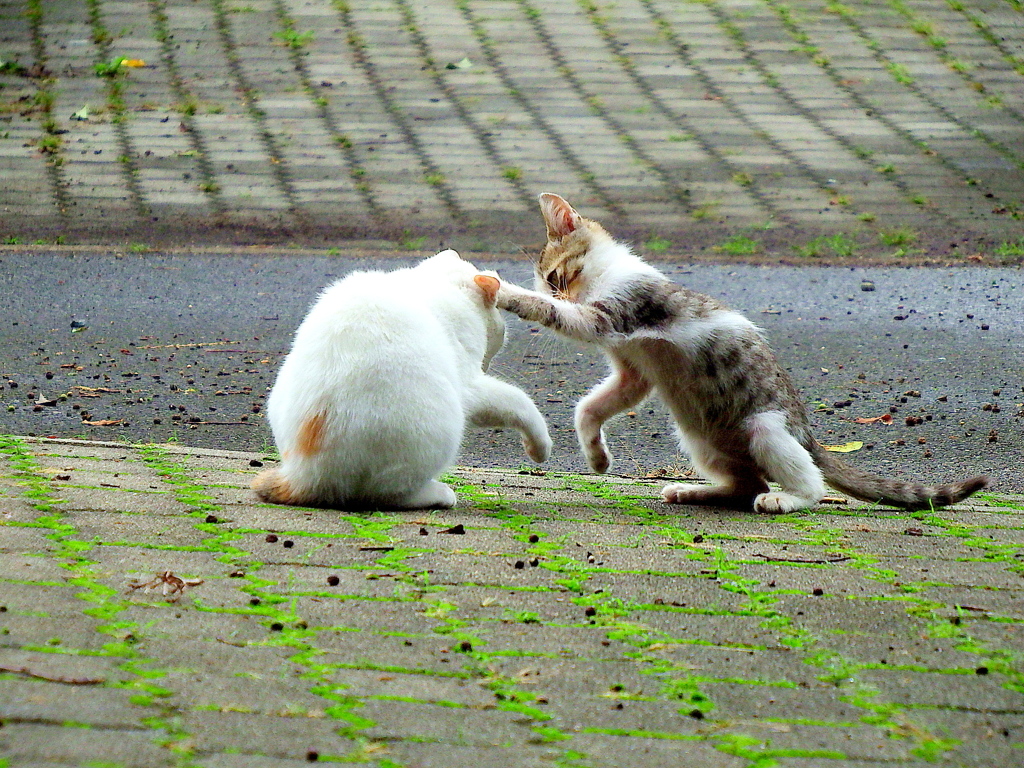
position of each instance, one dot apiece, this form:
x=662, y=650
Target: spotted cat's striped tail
x=863, y=485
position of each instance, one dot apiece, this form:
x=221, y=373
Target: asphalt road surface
x=184, y=347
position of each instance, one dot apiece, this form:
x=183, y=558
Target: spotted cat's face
x=560, y=276
x=561, y=266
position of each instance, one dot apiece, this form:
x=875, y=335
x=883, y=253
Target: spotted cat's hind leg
x=781, y=458
x=725, y=496
x=735, y=483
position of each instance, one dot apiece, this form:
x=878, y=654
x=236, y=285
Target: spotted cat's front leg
x=623, y=389
x=583, y=322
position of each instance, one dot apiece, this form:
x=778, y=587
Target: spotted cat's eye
x=560, y=279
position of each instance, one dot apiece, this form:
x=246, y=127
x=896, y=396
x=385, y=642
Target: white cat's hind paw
x=433, y=495
x=778, y=503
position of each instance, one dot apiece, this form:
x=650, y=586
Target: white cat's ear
x=560, y=217
x=489, y=286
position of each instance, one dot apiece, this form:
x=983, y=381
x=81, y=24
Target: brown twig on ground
x=52, y=678
x=827, y=561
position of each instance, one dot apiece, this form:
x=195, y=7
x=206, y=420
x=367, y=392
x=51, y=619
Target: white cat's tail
x=272, y=486
x=897, y=493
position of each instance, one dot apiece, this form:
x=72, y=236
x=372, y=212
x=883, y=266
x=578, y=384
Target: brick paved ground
x=549, y=620
x=890, y=124
x=575, y=622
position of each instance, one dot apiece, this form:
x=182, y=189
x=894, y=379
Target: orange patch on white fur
x=311, y=435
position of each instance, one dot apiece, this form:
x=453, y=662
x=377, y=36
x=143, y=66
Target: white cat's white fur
x=386, y=370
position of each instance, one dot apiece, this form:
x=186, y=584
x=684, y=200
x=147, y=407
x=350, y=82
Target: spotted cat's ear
x=489, y=286
x=560, y=217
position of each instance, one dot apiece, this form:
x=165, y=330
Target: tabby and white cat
x=738, y=415
x=386, y=369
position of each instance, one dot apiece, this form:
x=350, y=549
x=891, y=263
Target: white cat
x=370, y=405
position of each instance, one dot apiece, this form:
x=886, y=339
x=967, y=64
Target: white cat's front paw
x=538, y=451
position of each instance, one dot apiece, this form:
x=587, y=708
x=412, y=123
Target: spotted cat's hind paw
x=778, y=503
x=684, y=493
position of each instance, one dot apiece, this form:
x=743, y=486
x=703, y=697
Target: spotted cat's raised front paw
x=507, y=296
x=594, y=448
x=599, y=459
